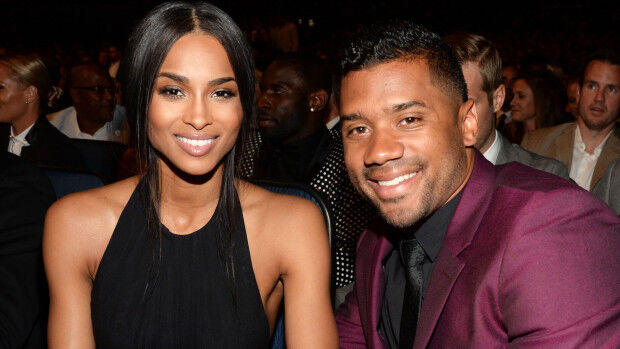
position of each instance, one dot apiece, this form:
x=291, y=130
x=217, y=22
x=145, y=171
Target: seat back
x=101, y=157
x=66, y=181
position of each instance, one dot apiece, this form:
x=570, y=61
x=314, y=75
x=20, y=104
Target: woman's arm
x=305, y=270
x=66, y=249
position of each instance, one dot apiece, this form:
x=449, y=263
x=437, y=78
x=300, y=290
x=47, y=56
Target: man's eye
x=357, y=130
x=613, y=89
x=409, y=120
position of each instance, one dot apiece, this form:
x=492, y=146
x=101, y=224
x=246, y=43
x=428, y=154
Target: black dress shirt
x=430, y=234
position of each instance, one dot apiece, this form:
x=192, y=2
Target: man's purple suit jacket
x=529, y=260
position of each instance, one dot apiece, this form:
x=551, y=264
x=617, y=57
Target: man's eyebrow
x=403, y=106
x=183, y=79
x=350, y=117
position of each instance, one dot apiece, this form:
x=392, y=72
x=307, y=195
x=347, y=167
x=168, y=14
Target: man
x=25, y=195
x=94, y=114
x=590, y=144
x=496, y=255
x=482, y=68
x=294, y=146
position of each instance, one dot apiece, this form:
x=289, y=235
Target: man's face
x=599, y=100
x=92, y=92
x=572, y=106
x=486, y=112
x=404, y=148
x=283, y=103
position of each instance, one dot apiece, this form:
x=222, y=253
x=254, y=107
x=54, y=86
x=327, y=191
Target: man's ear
x=317, y=100
x=468, y=120
x=499, y=95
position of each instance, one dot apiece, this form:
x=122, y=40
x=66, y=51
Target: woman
x=537, y=100
x=25, y=94
x=175, y=258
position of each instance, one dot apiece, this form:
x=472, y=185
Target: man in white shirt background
x=94, y=114
x=482, y=69
x=588, y=146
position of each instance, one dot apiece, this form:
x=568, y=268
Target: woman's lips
x=196, y=145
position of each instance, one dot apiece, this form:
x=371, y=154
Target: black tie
x=413, y=256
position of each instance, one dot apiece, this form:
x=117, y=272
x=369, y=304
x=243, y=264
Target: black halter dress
x=174, y=292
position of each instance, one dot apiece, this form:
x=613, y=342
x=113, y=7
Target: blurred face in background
x=522, y=104
x=12, y=97
x=572, y=92
x=599, y=101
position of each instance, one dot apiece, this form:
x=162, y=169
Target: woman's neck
x=530, y=124
x=24, y=121
x=188, y=203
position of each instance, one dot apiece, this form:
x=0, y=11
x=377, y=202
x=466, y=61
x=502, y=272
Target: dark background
x=554, y=29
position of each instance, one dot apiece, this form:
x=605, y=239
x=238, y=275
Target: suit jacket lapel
x=564, y=146
x=610, y=151
x=371, y=284
x=462, y=229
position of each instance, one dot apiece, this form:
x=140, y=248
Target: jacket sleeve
x=559, y=283
x=349, y=323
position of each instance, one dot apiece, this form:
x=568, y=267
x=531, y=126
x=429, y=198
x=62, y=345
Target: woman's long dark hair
x=147, y=48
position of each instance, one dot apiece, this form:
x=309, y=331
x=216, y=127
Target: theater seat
x=101, y=157
x=66, y=181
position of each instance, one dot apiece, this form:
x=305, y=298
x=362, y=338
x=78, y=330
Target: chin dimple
x=195, y=142
x=396, y=180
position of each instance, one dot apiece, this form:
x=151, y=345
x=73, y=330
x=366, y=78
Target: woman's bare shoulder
x=96, y=205
x=87, y=220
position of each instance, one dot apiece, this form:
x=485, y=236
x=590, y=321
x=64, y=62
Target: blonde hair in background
x=29, y=70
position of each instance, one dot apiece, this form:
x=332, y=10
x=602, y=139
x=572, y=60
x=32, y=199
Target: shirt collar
x=21, y=138
x=431, y=232
x=579, y=144
x=493, y=152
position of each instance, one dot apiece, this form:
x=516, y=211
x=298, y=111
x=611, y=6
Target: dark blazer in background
x=513, y=152
x=48, y=146
x=608, y=188
x=25, y=195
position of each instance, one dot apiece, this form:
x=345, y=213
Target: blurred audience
x=25, y=94
x=537, y=100
x=294, y=145
x=590, y=144
x=25, y=195
x=572, y=94
x=482, y=66
x=94, y=114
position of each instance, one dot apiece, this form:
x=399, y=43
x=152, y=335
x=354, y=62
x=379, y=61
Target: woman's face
x=195, y=112
x=522, y=104
x=12, y=97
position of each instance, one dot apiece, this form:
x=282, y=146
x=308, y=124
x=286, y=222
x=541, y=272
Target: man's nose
x=264, y=101
x=383, y=147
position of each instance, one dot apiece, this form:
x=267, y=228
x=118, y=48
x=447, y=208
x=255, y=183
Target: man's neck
x=88, y=126
x=489, y=142
x=592, y=138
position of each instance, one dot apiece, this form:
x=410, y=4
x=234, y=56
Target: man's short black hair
x=391, y=40
x=311, y=69
x=607, y=55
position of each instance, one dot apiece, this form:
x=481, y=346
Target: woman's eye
x=224, y=94
x=171, y=92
